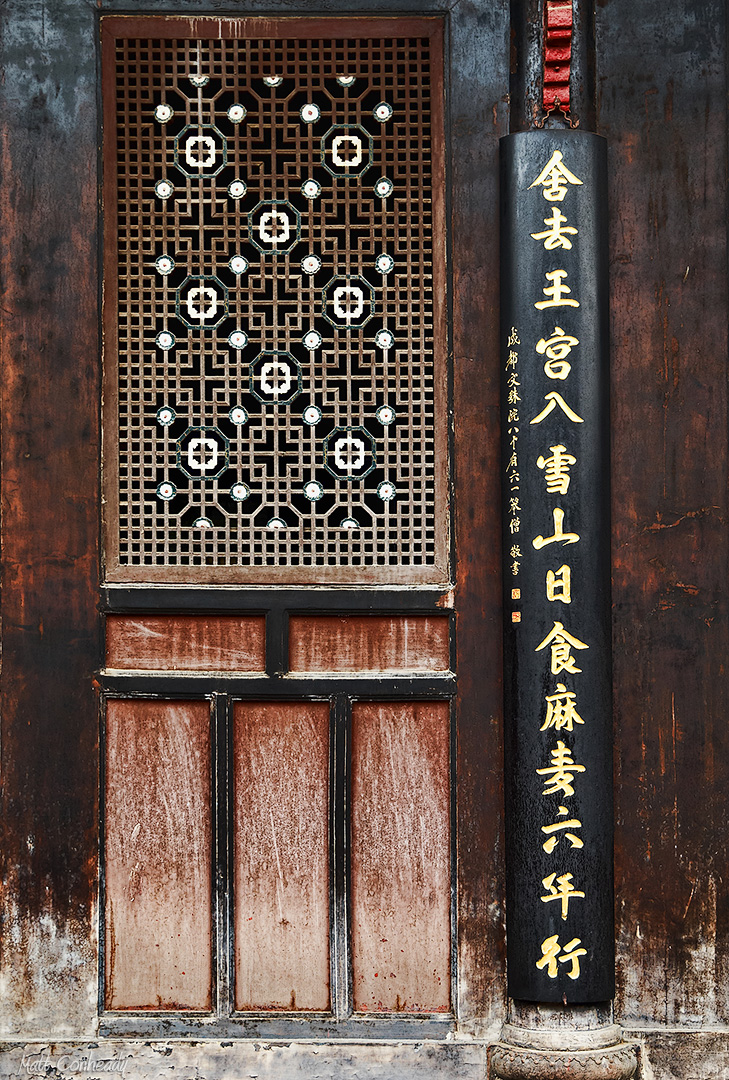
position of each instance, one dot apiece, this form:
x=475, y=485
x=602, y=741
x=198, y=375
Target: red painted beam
x=557, y=55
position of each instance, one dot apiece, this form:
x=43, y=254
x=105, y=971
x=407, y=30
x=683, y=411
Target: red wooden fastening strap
x=557, y=54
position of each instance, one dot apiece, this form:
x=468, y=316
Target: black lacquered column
x=556, y=542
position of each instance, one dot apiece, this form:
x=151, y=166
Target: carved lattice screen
x=275, y=302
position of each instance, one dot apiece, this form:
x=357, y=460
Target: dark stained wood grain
x=186, y=642
x=49, y=399
x=368, y=643
x=479, y=116
x=281, y=857
x=401, y=856
x=662, y=107
x=158, y=851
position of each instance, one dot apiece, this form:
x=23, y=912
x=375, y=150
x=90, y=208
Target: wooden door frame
x=50, y=443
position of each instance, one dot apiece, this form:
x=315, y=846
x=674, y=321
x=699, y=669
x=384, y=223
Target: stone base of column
x=548, y=1042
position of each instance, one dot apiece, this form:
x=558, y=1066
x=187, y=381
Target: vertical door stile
x=340, y=826
x=222, y=866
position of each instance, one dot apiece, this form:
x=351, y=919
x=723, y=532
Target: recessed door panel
x=401, y=856
x=364, y=643
x=186, y=642
x=281, y=855
x=158, y=855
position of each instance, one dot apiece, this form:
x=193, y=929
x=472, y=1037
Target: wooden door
x=268, y=697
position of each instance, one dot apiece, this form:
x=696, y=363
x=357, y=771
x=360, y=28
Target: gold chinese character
x=561, y=772
x=512, y=361
x=557, y=348
x=567, y=538
x=514, y=506
x=564, y=893
x=550, y=954
x=556, y=234
x=557, y=469
x=512, y=462
x=559, y=588
x=514, y=525
x=573, y=957
x=513, y=396
x=515, y=567
x=550, y=951
x=513, y=417
x=550, y=830
x=555, y=291
x=560, y=642
x=561, y=711
x=513, y=338
x=554, y=400
x=515, y=552
x=554, y=178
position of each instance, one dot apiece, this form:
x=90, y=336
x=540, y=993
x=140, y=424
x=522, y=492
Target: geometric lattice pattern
x=275, y=311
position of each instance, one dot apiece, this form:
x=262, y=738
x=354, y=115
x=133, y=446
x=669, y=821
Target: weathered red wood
x=186, y=642
x=369, y=643
x=281, y=860
x=401, y=857
x=158, y=851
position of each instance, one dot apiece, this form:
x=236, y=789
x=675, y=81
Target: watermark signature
x=77, y=1062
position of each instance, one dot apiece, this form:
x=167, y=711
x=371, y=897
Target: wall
x=661, y=81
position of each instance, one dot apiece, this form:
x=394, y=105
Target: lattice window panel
x=275, y=256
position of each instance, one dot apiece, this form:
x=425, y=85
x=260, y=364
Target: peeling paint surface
x=49, y=469
x=46, y=961
x=251, y=1060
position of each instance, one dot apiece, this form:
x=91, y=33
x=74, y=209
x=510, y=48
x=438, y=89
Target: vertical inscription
x=556, y=567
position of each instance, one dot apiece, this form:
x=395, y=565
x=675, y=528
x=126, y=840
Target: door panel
x=275, y=411
x=401, y=867
x=281, y=855
x=158, y=855
x=186, y=642
x=352, y=643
